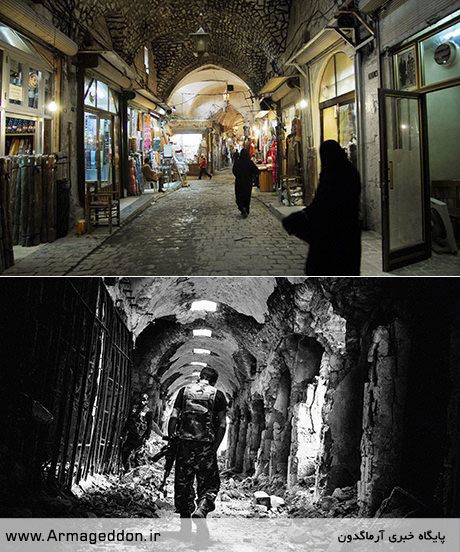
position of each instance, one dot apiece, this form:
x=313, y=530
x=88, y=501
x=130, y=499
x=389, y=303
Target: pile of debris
x=134, y=494
x=342, y=503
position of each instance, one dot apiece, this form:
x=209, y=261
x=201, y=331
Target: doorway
x=99, y=150
x=420, y=133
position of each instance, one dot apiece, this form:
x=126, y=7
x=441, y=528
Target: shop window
x=406, y=69
x=33, y=87
x=345, y=74
x=102, y=96
x=328, y=90
x=90, y=92
x=90, y=147
x=441, y=56
x=16, y=82
x=12, y=38
x=338, y=78
x=113, y=102
x=337, y=103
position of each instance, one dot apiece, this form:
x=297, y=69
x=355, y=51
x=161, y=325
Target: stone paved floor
x=198, y=231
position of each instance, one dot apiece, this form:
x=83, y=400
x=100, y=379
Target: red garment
x=274, y=154
x=203, y=164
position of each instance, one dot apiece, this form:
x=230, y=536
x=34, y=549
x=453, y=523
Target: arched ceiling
x=199, y=97
x=254, y=317
x=246, y=35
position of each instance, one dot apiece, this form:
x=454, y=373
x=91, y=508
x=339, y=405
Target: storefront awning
x=321, y=42
x=272, y=85
x=21, y=16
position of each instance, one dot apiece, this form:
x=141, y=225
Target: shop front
x=144, y=142
x=264, y=145
x=35, y=181
x=420, y=133
x=27, y=93
x=102, y=139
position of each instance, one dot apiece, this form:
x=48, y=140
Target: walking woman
x=331, y=223
x=245, y=171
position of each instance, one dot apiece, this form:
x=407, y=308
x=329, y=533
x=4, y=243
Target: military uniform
x=198, y=405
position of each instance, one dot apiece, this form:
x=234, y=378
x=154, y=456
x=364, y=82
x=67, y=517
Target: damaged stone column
x=306, y=425
x=383, y=415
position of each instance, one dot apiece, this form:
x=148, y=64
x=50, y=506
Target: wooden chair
x=102, y=205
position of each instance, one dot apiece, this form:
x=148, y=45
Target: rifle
x=168, y=452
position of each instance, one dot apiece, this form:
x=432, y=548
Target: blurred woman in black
x=331, y=223
x=245, y=171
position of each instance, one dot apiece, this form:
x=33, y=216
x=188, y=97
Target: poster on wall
x=406, y=70
x=147, y=133
x=15, y=93
x=157, y=144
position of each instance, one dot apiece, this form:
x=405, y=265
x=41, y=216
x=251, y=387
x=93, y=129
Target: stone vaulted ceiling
x=246, y=35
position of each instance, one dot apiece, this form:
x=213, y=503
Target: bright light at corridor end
x=202, y=333
x=208, y=306
x=201, y=352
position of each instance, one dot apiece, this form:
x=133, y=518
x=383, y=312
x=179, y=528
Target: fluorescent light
x=201, y=352
x=202, y=333
x=203, y=364
x=209, y=306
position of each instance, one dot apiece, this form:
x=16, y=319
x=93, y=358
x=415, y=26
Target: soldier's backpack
x=196, y=420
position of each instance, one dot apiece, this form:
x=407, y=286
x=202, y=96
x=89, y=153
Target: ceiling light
x=203, y=364
x=201, y=352
x=202, y=333
x=52, y=106
x=303, y=104
x=209, y=306
x=201, y=40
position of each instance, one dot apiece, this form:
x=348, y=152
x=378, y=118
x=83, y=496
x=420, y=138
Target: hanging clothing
x=6, y=242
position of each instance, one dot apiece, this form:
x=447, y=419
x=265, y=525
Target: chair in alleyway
x=102, y=205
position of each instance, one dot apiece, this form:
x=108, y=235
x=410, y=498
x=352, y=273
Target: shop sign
x=15, y=93
x=168, y=151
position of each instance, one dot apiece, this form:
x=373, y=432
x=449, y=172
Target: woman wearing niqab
x=331, y=223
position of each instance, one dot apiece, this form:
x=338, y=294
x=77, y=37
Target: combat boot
x=202, y=509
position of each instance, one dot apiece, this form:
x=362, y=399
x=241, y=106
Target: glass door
x=105, y=151
x=406, y=211
x=91, y=172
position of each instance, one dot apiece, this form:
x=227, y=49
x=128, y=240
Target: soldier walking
x=199, y=421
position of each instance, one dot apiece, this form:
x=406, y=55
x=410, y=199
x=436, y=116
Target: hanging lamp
x=201, y=40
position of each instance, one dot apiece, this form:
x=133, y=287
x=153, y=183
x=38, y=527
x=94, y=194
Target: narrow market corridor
x=199, y=231
x=328, y=384
x=196, y=230
x=107, y=105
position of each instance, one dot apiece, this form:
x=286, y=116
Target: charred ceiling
x=246, y=35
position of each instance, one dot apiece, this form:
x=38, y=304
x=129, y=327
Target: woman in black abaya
x=331, y=223
x=245, y=171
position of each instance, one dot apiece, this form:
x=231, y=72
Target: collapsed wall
x=318, y=393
